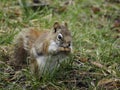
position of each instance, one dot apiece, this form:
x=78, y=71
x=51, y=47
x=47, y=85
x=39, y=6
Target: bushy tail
x=19, y=53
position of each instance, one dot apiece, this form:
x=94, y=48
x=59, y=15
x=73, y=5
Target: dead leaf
x=63, y=7
x=98, y=64
x=117, y=23
x=109, y=84
x=81, y=59
x=107, y=70
x=95, y=9
x=60, y=9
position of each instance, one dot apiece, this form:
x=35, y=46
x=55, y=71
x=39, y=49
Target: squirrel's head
x=62, y=35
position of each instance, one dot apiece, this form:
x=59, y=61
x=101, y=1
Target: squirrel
x=45, y=49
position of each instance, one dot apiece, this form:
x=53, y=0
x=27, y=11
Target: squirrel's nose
x=66, y=45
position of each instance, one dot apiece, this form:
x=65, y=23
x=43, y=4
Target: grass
x=94, y=38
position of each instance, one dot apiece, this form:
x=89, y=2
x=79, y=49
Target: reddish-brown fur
x=27, y=39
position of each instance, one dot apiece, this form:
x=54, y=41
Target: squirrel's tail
x=19, y=53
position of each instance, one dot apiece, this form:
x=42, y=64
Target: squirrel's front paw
x=62, y=49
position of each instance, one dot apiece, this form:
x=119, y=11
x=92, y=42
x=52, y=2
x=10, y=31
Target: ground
x=95, y=27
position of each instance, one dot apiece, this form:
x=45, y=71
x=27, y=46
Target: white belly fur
x=49, y=63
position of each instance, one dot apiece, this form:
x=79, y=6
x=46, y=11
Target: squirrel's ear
x=66, y=24
x=55, y=26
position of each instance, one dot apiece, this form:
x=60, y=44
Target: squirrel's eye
x=59, y=37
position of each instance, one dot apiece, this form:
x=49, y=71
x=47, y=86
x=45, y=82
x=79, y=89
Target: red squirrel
x=45, y=49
